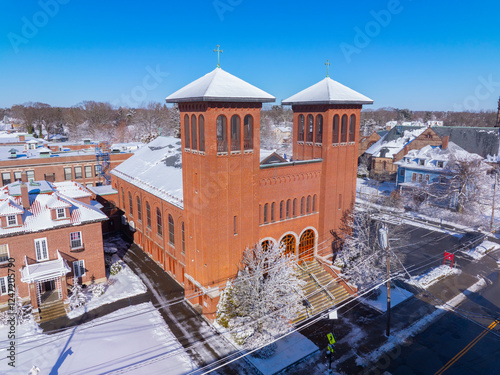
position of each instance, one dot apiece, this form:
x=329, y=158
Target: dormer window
x=421, y=162
x=61, y=213
x=440, y=164
x=11, y=220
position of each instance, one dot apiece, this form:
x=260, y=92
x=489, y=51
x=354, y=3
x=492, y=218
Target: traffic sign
x=331, y=339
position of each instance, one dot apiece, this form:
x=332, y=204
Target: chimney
x=444, y=142
x=24, y=177
x=25, y=197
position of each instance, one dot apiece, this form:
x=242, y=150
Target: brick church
x=194, y=204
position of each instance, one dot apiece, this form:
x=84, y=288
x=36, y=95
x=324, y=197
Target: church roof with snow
x=219, y=86
x=328, y=91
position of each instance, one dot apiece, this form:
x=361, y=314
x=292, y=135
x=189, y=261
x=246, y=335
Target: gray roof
x=219, y=86
x=327, y=91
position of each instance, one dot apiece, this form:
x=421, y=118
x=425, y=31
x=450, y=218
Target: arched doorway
x=306, y=246
x=289, y=243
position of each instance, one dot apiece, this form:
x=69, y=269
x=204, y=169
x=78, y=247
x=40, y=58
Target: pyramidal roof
x=328, y=91
x=219, y=86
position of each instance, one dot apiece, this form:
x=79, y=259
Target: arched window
x=302, y=206
x=319, y=128
x=171, y=235
x=314, y=203
x=266, y=245
x=248, y=132
x=159, y=226
x=272, y=211
x=282, y=208
x=221, y=134
x=194, y=133
x=335, y=129
x=139, y=209
x=308, y=204
x=295, y=207
x=352, y=128
x=130, y=204
x=289, y=243
x=235, y=133
x=187, y=132
x=148, y=215
x=306, y=246
x=266, y=207
x=343, y=130
x=183, y=238
x=288, y=208
x=201, y=129
x=301, y=129
x=123, y=199
x=310, y=128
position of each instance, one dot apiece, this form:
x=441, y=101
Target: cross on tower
x=328, y=63
x=219, y=51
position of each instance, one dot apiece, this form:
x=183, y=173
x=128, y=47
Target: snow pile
x=433, y=276
x=132, y=340
x=480, y=251
x=122, y=285
x=398, y=295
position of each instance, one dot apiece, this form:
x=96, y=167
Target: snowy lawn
x=433, y=276
x=122, y=285
x=131, y=340
x=367, y=187
x=480, y=251
x=398, y=295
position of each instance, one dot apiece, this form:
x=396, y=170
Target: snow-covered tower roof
x=328, y=91
x=219, y=86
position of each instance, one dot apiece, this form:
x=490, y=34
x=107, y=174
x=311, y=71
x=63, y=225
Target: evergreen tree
x=77, y=297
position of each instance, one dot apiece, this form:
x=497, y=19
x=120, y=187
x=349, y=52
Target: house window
x=4, y=253
x=183, y=239
x=300, y=136
x=17, y=176
x=235, y=133
x=88, y=171
x=421, y=162
x=130, y=204
x=61, y=213
x=319, y=128
x=186, y=132
x=343, y=129
x=76, y=240
x=335, y=129
x=310, y=128
x=352, y=128
x=4, y=282
x=171, y=234
x=248, y=133
x=30, y=175
x=148, y=215
x=194, y=133
x=97, y=170
x=414, y=176
x=401, y=172
x=420, y=177
x=159, y=224
x=139, y=209
x=201, y=129
x=50, y=177
x=11, y=220
x=42, y=253
x=440, y=164
x=427, y=178
x=442, y=179
x=221, y=134
x=6, y=178
x=79, y=268
x=78, y=173
x=272, y=211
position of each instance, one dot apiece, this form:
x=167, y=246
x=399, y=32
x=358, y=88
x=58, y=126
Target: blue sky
x=422, y=55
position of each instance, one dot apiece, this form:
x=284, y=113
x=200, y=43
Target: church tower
x=220, y=134
x=326, y=120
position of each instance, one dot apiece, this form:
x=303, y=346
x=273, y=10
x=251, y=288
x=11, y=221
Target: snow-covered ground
x=398, y=295
x=433, y=276
x=122, y=285
x=480, y=251
x=365, y=187
x=132, y=340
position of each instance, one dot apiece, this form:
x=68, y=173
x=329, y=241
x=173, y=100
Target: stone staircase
x=321, y=290
x=49, y=311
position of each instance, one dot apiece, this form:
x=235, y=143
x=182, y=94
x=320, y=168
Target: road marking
x=467, y=348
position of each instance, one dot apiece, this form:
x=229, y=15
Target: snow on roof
x=102, y=190
x=8, y=207
x=43, y=270
x=43, y=197
x=265, y=153
x=327, y=91
x=220, y=86
x=72, y=189
x=157, y=169
x=387, y=149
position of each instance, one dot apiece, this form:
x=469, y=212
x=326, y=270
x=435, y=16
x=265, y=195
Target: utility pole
x=493, y=203
x=384, y=244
